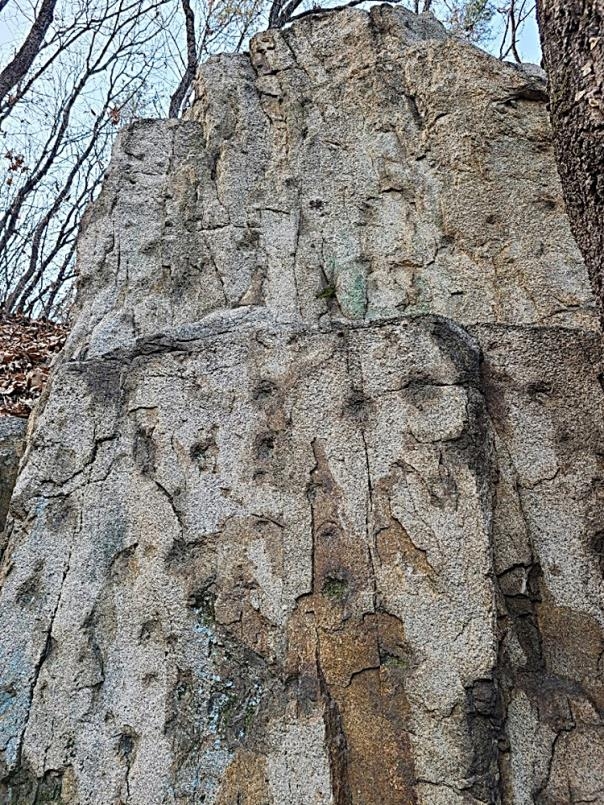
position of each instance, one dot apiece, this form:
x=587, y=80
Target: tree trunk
x=572, y=36
x=17, y=69
x=180, y=94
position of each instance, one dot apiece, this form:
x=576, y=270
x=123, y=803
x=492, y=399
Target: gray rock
x=312, y=510
x=12, y=443
x=534, y=70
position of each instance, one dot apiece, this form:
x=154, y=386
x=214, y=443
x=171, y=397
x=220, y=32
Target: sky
x=530, y=47
x=530, y=42
x=12, y=25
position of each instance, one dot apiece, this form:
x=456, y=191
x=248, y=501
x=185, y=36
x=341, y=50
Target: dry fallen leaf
x=27, y=347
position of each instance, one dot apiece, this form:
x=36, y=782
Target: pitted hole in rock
x=148, y=629
x=29, y=590
x=335, y=588
x=539, y=391
x=124, y=563
x=204, y=452
x=546, y=202
x=264, y=446
x=144, y=451
x=264, y=390
x=597, y=546
x=250, y=238
x=358, y=407
x=126, y=744
x=328, y=532
x=414, y=110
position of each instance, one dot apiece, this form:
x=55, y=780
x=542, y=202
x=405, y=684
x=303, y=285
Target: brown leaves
x=27, y=348
x=16, y=164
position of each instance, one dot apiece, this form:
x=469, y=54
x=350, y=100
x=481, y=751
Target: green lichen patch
x=233, y=708
x=328, y=292
x=335, y=589
x=352, y=291
x=395, y=663
x=202, y=603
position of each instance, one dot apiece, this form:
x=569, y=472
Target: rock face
x=12, y=443
x=312, y=510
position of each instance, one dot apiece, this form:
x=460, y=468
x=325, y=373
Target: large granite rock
x=311, y=512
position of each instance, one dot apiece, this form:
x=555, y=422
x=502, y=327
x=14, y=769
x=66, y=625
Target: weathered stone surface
x=12, y=443
x=312, y=510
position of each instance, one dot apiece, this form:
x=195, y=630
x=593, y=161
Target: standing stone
x=312, y=510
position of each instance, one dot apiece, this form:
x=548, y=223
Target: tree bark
x=177, y=99
x=572, y=36
x=17, y=69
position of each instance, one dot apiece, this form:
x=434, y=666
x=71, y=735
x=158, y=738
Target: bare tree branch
x=17, y=69
x=288, y=16
x=514, y=31
x=44, y=201
x=186, y=82
x=282, y=12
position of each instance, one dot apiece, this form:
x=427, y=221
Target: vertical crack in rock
x=20, y=781
x=484, y=708
x=12, y=443
x=336, y=744
x=550, y=653
x=358, y=656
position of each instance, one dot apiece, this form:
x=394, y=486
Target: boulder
x=312, y=509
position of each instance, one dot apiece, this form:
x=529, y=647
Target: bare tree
x=475, y=20
x=98, y=65
x=516, y=13
x=186, y=81
x=91, y=67
x=572, y=35
x=224, y=25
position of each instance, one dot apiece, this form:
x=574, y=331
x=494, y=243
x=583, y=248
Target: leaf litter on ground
x=27, y=349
